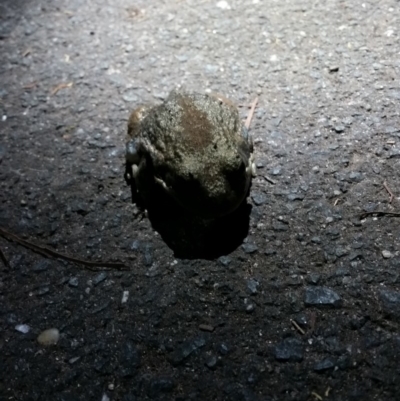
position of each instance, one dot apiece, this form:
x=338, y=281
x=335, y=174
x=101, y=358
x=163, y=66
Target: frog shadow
x=190, y=236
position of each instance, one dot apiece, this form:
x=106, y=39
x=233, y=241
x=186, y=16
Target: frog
x=195, y=148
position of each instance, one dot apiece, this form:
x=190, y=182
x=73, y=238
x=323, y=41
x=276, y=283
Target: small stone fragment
x=279, y=226
x=125, y=296
x=339, y=128
x=270, y=251
x=49, y=337
x=252, y=286
x=223, y=349
x=73, y=282
x=390, y=302
x=313, y=278
x=206, y=327
x=355, y=176
x=41, y=266
x=22, y=328
x=276, y=170
x=211, y=362
x=223, y=5
x=130, y=96
x=324, y=365
x=99, y=278
x=322, y=296
x=341, y=251
x=295, y=196
x=290, y=349
x=250, y=248
x=387, y=254
x=259, y=198
x=225, y=260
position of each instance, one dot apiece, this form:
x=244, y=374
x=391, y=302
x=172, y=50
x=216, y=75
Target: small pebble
x=250, y=248
x=259, y=198
x=125, y=296
x=99, y=278
x=206, y=327
x=211, y=362
x=49, y=337
x=223, y=349
x=322, y=297
x=73, y=282
x=22, y=328
x=276, y=170
x=130, y=96
x=324, y=365
x=225, y=260
x=250, y=308
x=223, y=5
x=387, y=254
x=252, y=286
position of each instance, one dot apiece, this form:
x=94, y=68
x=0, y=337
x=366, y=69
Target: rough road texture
x=327, y=132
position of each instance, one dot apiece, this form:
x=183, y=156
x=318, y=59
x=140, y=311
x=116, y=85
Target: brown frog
x=196, y=148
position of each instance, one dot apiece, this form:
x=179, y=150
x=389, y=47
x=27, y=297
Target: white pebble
x=4, y=118
x=223, y=5
x=387, y=254
x=125, y=296
x=22, y=328
x=49, y=337
x=105, y=398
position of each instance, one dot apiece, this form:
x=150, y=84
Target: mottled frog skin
x=196, y=148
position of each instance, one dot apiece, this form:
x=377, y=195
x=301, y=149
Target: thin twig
x=251, y=112
x=27, y=52
x=316, y=395
x=378, y=214
x=50, y=253
x=61, y=86
x=4, y=259
x=298, y=328
x=389, y=191
x=270, y=180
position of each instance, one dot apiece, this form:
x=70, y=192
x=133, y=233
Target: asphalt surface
x=302, y=304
